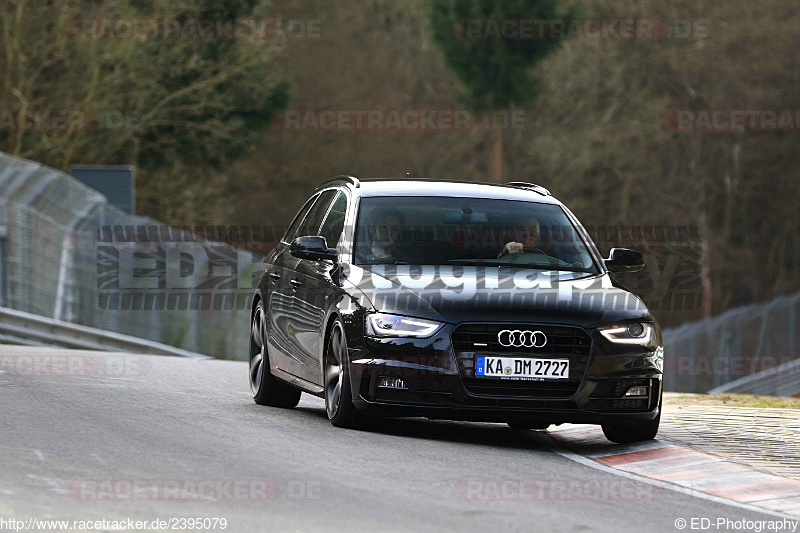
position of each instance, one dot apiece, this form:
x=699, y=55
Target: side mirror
x=624, y=260
x=314, y=248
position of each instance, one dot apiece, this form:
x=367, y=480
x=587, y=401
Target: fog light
x=636, y=392
x=391, y=383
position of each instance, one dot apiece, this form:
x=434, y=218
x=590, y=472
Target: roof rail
x=530, y=186
x=343, y=177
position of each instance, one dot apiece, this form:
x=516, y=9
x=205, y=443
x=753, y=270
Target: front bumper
x=439, y=387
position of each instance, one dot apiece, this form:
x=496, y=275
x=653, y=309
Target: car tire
x=634, y=430
x=265, y=388
x=338, y=396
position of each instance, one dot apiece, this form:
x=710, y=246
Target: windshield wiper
x=532, y=266
x=387, y=262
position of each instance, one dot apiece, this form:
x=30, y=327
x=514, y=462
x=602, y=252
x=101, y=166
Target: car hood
x=495, y=294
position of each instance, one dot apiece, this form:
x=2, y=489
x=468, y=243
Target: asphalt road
x=90, y=437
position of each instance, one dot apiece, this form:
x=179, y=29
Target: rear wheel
x=266, y=388
x=338, y=396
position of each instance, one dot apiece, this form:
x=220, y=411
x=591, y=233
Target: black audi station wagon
x=453, y=300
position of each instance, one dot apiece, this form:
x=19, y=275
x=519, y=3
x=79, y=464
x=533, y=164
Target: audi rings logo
x=521, y=339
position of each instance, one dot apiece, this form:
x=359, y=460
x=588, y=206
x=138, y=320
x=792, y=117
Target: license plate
x=521, y=368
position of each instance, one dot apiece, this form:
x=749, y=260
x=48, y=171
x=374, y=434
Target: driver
x=384, y=232
x=530, y=237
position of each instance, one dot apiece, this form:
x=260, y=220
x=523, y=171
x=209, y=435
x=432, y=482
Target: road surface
x=87, y=436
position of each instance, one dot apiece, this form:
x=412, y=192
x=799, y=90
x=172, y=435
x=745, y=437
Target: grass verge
x=731, y=400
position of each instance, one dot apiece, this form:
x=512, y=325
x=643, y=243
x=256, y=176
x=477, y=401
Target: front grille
x=563, y=342
x=511, y=387
x=629, y=404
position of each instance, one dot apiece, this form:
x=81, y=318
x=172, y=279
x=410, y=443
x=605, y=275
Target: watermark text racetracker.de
x=595, y=489
x=194, y=489
x=194, y=29
x=46, y=119
x=696, y=523
x=71, y=365
x=593, y=29
x=396, y=120
x=119, y=524
x=733, y=119
x=714, y=365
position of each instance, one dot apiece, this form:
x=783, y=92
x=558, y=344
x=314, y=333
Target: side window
x=334, y=223
x=298, y=219
x=313, y=220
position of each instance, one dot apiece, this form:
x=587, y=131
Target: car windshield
x=469, y=232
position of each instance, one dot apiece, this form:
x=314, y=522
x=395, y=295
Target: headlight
x=383, y=325
x=640, y=333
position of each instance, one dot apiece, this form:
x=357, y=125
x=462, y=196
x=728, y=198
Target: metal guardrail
x=26, y=328
x=726, y=349
x=783, y=380
x=67, y=254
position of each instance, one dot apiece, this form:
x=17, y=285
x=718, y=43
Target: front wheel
x=338, y=396
x=266, y=388
x=622, y=433
x=634, y=430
